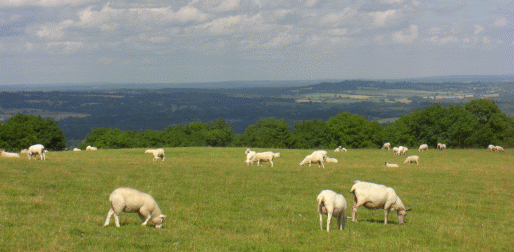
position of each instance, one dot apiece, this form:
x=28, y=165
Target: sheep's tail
x=353, y=187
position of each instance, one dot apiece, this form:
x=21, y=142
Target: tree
x=21, y=131
x=355, y=131
x=313, y=134
x=267, y=133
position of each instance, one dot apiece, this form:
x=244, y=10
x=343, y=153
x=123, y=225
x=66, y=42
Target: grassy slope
x=214, y=201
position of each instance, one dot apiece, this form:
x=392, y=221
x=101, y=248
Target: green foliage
x=267, y=133
x=21, y=131
x=355, y=131
x=313, y=134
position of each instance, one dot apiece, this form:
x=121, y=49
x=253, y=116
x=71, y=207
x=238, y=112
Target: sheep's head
x=159, y=220
x=401, y=215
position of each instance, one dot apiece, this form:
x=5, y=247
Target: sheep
x=411, y=159
x=91, y=148
x=344, y=150
x=322, y=152
x=249, y=155
x=386, y=146
x=315, y=157
x=8, y=154
x=332, y=204
x=491, y=147
x=76, y=149
x=24, y=151
x=389, y=165
x=423, y=147
x=439, y=146
x=443, y=146
x=129, y=200
x=396, y=151
x=264, y=157
x=338, y=149
x=36, y=149
x=498, y=148
x=376, y=196
x=331, y=160
x=404, y=151
x=157, y=153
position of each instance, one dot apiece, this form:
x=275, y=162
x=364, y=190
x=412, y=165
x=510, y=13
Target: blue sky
x=122, y=41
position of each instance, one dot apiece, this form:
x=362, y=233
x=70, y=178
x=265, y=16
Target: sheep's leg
x=162, y=158
x=143, y=213
x=271, y=161
x=321, y=220
x=116, y=219
x=109, y=214
x=328, y=221
x=147, y=219
x=356, y=206
x=386, y=212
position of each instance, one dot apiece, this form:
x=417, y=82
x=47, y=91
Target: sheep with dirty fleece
x=499, y=148
x=411, y=159
x=389, y=165
x=423, y=147
x=157, y=153
x=316, y=158
x=37, y=149
x=266, y=156
x=332, y=204
x=249, y=155
x=129, y=200
x=376, y=196
x=3, y=153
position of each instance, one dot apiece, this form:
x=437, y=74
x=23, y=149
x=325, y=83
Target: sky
x=155, y=41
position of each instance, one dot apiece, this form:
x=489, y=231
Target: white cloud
x=380, y=18
x=282, y=39
x=500, y=22
x=51, y=31
x=42, y=3
x=227, y=5
x=486, y=40
x=334, y=18
x=311, y=3
x=478, y=29
x=403, y=38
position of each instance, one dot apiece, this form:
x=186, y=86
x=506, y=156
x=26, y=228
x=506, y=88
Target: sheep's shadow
x=377, y=221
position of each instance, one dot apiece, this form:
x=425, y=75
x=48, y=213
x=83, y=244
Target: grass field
x=461, y=200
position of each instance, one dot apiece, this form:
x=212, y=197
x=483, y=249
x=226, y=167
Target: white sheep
x=386, y=146
x=404, y=150
x=264, y=157
x=338, y=149
x=344, y=150
x=76, y=149
x=389, y=165
x=423, y=147
x=91, y=148
x=439, y=146
x=129, y=200
x=249, y=155
x=316, y=158
x=157, y=153
x=411, y=159
x=37, y=149
x=331, y=160
x=8, y=154
x=376, y=196
x=332, y=204
x=396, y=151
x=443, y=146
x=498, y=148
x=491, y=147
x=322, y=152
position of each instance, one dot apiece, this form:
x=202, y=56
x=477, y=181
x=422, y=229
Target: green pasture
x=461, y=200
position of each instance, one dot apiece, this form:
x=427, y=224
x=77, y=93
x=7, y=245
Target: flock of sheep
x=369, y=195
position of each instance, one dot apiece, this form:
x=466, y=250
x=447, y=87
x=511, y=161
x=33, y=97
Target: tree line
x=475, y=124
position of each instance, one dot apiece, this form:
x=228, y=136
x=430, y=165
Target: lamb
x=332, y=204
x=338, y=149
x=315, y=157
x=91, y=148
x=129, y=200
x=376, y=196
x=249, y=155
x=157, y=153
x=498, y=148
x=389, y=165
x=404, y=150
x=386, y=146
x=344, y=150
x=37, y=149
x=8, y=154
x=423, y=147
x=411, y=159
x=396, y=151
x=331, y=160
x=264, y=157
x=76, y=149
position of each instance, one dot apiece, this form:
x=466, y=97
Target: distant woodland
x=81, y=113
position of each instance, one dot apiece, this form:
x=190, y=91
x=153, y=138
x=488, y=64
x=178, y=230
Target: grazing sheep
x=443, y=146
x=249, y=155
x=386, y=146
x=376, y=196
x=338, y=149
x=129, y=200
x=423, y=147
x=404, y=150
x=315, y=157
x=439, y=146
x=76, y=149
x=389, y=165
x=332, y=204
x=157, y=153
x=331, y=160
x=24, y=151
x=498, y=148
x=396, y=151
x=37, y=149
x=8, y=154
x=264, y=157
x=411, y=159
x=344, y=150
x=491, y=147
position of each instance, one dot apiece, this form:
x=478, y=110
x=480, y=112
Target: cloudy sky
x=156, y=41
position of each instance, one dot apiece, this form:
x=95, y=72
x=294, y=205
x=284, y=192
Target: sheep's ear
x=162, y=216
x=408, y=209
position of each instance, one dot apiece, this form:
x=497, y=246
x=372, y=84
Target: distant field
x=460, y=200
